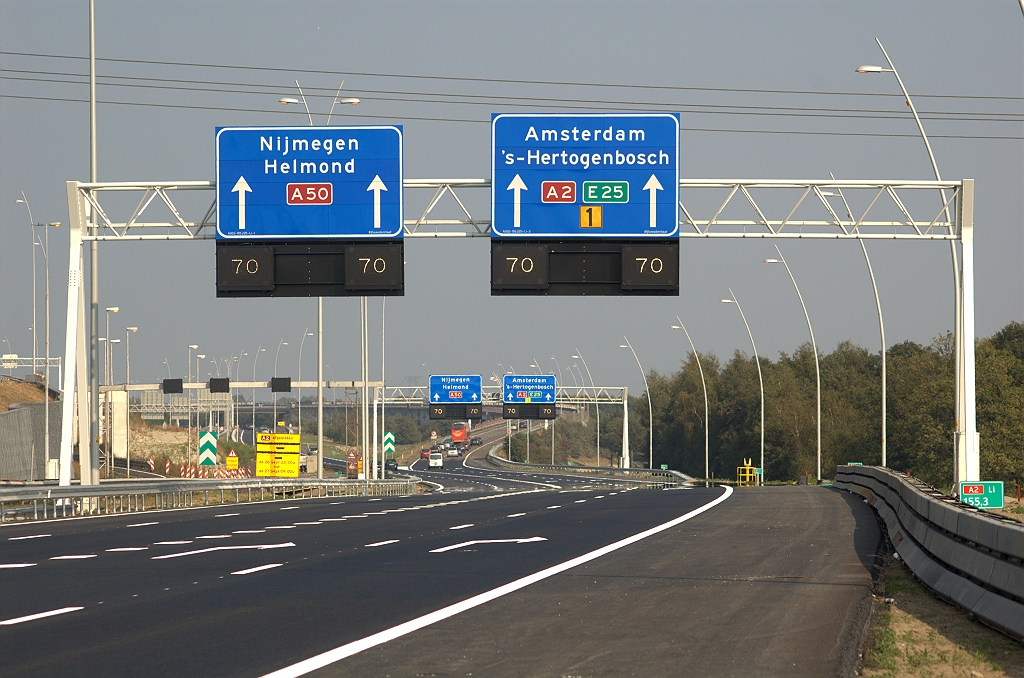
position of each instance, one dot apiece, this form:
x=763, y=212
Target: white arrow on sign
x=437, y=397
x=653, y=185
x=473, y=397
x=516, y=185
x=241, y=187
x=526, y=540
x=547, y=396
x=376, y=186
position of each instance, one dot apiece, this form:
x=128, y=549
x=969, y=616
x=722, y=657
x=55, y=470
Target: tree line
x=920, y=416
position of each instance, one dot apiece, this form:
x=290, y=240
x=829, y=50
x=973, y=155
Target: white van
x=436, y=460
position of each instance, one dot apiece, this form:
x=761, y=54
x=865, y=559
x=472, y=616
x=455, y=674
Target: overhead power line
x=482, y=122
x=562, y=83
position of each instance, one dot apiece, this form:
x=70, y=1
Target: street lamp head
x=115, y=341
x=576, y=357
x=309, y=334
x=113, y=309
x=348, y=100
x=772, y=261
x=675, y=327
x=193, y=346
x=870, y=69
x=101, y=339
x=132, y=329
x=284, y=101
x=623, y=346
x=200, y=355
x=726, y=301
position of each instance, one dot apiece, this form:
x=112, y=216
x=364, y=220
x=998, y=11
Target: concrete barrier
x=965, y=556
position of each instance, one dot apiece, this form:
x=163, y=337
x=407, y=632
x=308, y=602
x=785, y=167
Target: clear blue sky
x=763, y=68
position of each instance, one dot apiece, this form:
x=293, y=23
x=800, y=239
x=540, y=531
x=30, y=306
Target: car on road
x=476, y=440
x=390, y=465
x=436, y=460
x=425, y=452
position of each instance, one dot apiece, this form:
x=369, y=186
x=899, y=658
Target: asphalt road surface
x=516, y=575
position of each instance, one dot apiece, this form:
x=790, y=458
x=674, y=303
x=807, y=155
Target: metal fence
x=965, y=556
x=40, y=502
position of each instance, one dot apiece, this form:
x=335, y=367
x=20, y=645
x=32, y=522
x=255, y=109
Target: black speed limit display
x=247, y=268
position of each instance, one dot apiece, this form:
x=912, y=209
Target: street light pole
x=254, y=361
x=128, y=414
x=881, y=323
x=650, y=408
x=961, y=344
x=305, y=333
x=107, y=378
x=32, y=226
x=814, y=346
x=597, y=407
x=707, y=421
x=274, y=395
x=760, y=378
x=188, y=405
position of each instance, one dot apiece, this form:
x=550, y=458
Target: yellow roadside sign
x=280, y=438
x=277, y=465
x=232, y=461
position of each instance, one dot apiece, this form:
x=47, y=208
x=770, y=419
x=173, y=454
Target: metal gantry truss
x=830, y=199
x=491, y=395
x=813, y=209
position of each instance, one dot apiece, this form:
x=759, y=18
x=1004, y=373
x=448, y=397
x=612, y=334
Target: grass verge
x=919, y=635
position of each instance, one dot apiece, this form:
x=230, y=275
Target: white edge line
x=155, y=522
x=324, y=659
x=40, y=615
x=257, y=569
x=31, y=536
x=11, y=566
x=382, y=543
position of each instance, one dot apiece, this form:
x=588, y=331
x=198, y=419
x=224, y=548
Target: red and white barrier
x=167, y=468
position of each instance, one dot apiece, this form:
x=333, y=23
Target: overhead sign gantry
x=528, y=396
x=456, y=396
x=309, y=211
x=585, y=204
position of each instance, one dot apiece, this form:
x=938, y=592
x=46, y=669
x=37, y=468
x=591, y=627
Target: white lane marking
x=375, y=513
x=29, y=536
x=259, y=547
x=311, y=522
x=128, y=548
x=75, y=557
x=226, y=515
x=214, y=536
x=600, y=496
x=526, y=540
x=288, y=508
x=461, y=527
x=613, y=494
x=39, y=615
x=355, y=516
x=335, y=503
x=515, y=515
x=376, y=500
x=245, y=532
x=554, y=507
x=347, y=650
x=280, y=527
x=332, y=520
x=155, y=522
x=258, y=569
x=382, y=543
x=173, y=543
x=11, y=566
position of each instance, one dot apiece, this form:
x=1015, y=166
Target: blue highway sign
x=309, y=182
x=595, y=175
x=528, y=388
x=455, y=388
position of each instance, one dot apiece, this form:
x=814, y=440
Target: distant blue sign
x=528, y=388
x=309, y=182
x=455, y=388
x=592, y=175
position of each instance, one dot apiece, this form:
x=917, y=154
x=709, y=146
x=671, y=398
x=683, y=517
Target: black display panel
x=173, y=386
x=528, y=411
x=280, y=384
x=314, y=268
x=455, y=411
x=585, y=267
x=219, y=385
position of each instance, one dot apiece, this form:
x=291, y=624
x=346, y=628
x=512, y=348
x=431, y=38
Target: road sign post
x=389, y=443
x=585, y=188
x=310, y=211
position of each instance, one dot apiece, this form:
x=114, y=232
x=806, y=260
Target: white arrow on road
x=376, y=186
x=241, y=187
x=527, y=540
x=653, y=185
x=516, y=185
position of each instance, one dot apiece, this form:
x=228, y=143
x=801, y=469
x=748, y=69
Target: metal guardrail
x=34, y=502
x=642, y=476
x=965, y=556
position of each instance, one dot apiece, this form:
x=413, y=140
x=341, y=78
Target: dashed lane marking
x=125, y=549
x=14, y=566
x=28, y=536
x=259, y=547
x=173, y=543
x=82, y=556
x=258, y=569
x=226, y=515
x=461, y=527
x=515, y=515
x=155, y=522
x=39, y=615
x=382, y=543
